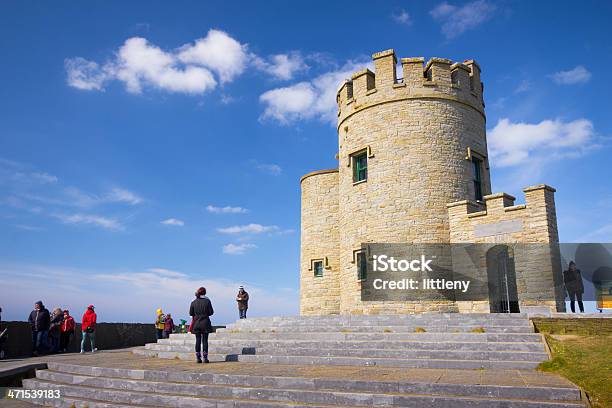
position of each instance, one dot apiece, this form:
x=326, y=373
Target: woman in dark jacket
x=200, y=310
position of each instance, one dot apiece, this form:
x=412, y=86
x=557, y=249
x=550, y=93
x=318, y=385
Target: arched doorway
x=503, y=294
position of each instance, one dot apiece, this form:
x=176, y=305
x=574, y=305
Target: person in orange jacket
x=67, y=330
x=88, y=326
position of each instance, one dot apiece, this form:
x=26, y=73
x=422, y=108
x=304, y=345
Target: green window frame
x=477, y=177
x=317, y=267
x=360, y=167
x=362, y=266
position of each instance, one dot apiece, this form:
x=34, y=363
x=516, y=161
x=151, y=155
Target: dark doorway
x=503, y=294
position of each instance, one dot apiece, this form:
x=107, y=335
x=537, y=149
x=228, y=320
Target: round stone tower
x=407, y=147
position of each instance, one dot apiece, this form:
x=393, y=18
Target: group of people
x=53, y=332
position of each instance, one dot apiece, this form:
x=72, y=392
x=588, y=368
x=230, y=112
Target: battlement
x=438, y=78
x=498, y=216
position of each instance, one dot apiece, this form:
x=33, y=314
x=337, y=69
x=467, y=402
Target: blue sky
x=147, y=148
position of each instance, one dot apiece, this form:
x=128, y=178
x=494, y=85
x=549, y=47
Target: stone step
x=379, y=329
x=384, y=353
x=297, y=392
x=362, y=361
x=426, y=336
x=323, y=383
x=412, y=345
x=346, y=361
x=380, y=322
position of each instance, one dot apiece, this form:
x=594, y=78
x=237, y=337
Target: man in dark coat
x=572, y=278
x=39, y=321
x=200, y=311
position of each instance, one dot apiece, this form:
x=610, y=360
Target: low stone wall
x=108, y=336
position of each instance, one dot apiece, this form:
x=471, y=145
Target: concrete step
x=370, y=352
x=426, y=336
x=410, y=345
x=383, y=322
x=379, y=329
x=347, y=360
x=242, y=391
x=362, y=361
x=323, y=383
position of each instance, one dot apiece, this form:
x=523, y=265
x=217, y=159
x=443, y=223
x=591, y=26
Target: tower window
x=362, y=266
x=477, y=177
x=317, y=266
x=360, y=167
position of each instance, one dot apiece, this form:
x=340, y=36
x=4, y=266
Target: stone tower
x=407, y=148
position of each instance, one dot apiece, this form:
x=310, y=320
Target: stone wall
x=319, y=241
x=499, y=221
x=108, y=336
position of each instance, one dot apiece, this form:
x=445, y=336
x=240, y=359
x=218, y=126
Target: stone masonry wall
x=534, y=224
x=417, y=133
x=320, y=241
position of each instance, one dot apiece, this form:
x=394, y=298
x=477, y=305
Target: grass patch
x=346, y=331
x=387, y=331
x=419, y=330
x=478, y=330
x=585, y=360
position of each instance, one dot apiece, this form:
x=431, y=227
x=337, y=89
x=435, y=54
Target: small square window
x=362, y=266
x=360, y=167
x=317, y=266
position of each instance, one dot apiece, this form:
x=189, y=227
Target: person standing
x=67, y=330
x=57, y=318
x=88, y=326
x=39, y=322
x=159, y=323
x=168, y=326
x=572, y=278
x=243, y=302
x=201, y=309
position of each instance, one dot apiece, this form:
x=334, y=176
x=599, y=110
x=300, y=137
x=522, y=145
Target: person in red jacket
x=66, y=331
x=88, y=326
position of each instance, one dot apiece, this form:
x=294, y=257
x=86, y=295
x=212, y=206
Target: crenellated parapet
x=498, y=219
x=439, y=78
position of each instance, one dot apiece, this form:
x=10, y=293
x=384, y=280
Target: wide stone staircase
x=103, y=387
x=454, y=341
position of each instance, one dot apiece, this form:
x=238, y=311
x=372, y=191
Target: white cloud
x=281, y=66
x=402, y=18
x=219, y=52
x=308, y=99
x=44, y=178
x=173, y=222
x=237, y=249
x=95, y=220
x=121, y=195
x=248, y=229
x=226, y=210
x=578, y=75
x=272, y=169
x=513, y=144
x=78, y=198
x=456, y=20
x=133, y=295
x=139, y=63
x=85, y=75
